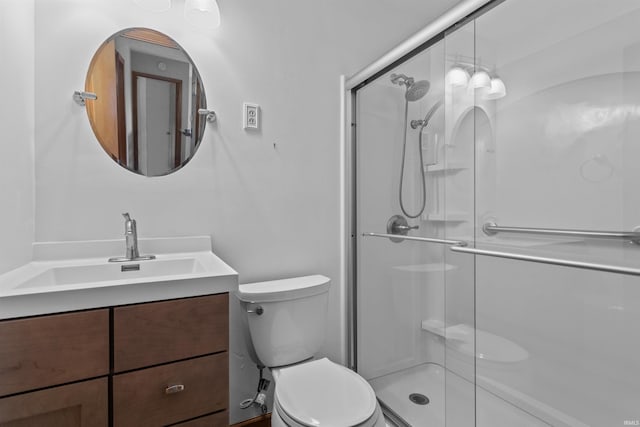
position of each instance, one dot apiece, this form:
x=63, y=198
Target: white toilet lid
x=323, y=393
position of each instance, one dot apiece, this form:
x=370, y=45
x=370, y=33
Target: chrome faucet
x=131, y=240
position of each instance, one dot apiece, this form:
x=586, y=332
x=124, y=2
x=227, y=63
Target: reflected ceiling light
x=479, y=80
x=457, y=77
x=154, y=5
x=202, y=13
x=497, y=89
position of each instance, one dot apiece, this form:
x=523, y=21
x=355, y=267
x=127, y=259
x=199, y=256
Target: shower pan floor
x=394, y=389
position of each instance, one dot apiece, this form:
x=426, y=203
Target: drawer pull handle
x=172, y=389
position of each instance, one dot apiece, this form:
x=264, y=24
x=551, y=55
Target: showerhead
x=417, y=90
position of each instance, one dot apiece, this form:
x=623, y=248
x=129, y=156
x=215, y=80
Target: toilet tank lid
x=284, y=289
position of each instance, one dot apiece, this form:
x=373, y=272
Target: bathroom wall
x=16, y=146
x=269, y=198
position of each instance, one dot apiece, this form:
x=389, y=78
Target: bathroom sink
x=66, y=276
x=107, y=272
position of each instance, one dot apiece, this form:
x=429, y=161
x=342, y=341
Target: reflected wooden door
x=103, y=112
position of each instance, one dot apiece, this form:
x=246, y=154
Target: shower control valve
x=398, y=224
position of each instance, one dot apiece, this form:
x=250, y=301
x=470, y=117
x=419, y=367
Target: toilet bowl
x=323, y=393
x=286, y=320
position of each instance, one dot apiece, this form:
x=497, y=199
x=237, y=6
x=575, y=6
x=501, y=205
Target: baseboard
x=261, y=421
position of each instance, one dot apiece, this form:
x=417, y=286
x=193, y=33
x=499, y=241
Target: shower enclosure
x=495, y=252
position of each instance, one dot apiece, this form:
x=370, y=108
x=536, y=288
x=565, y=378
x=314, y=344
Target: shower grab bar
x=491, y=228
x=462, y=247
x=456, y=243
x=553, y=261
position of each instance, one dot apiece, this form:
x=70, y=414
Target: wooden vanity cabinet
x=150, y=364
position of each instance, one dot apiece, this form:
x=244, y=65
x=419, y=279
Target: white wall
x=16, y=126
x=270, y=198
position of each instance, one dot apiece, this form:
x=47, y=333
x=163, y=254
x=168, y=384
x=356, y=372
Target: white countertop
x=189, y=268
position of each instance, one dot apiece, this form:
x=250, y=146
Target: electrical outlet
x=250, y=116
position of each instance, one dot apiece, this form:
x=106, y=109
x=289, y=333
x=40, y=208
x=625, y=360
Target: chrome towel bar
x=417, y=239
x=491, y=228
x=553, y=261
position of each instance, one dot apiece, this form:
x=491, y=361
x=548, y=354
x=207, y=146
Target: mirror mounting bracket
x=210, y=114
x=81, y=97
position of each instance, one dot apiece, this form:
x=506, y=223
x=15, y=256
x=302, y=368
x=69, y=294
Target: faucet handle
x=129, y=224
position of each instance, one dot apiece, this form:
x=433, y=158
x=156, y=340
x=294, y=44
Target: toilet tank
x=293, y=322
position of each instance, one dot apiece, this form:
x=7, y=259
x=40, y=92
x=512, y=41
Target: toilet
x=286, y=320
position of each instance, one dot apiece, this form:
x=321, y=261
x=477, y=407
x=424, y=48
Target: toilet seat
x=323, y=393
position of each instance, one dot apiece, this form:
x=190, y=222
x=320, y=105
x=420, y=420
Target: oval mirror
x=148, y=96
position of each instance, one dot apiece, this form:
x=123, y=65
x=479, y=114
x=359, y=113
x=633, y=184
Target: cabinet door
x=82, y=404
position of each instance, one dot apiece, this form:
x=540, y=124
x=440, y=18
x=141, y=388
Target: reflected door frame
x=178, y=112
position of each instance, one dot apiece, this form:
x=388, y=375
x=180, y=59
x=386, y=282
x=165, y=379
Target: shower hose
x=422, y=180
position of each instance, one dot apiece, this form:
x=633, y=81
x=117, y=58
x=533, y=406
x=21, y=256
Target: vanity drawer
x=161, y=332
x=83, y=404
x=50, y=350
x=143, y=398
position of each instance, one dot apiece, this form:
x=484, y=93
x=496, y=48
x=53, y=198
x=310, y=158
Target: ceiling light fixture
x=200, y=13
x=476, y=78
x=154, y=5
x=457, y=77
x=497, y=89
x=479, y=80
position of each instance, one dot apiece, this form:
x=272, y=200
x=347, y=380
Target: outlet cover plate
x=250, y=116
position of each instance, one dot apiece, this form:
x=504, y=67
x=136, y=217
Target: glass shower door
x=558, y=345
x=401, y=174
